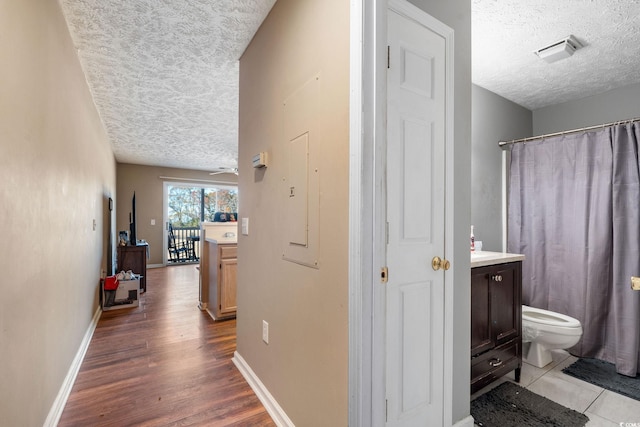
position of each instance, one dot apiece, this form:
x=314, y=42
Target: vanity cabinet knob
x=495, y=362
x=497, y=278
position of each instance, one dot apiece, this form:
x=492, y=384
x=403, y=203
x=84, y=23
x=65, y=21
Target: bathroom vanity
x=496, y=317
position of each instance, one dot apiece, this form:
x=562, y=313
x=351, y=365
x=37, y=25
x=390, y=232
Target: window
x=189, y=206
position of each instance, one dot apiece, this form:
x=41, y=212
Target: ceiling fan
x=217, y=171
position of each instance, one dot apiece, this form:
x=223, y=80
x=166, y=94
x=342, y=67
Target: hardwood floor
x=163, y=363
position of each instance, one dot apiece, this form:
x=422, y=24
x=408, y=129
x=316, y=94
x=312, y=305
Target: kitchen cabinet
x=496, y=322
x=222, y=273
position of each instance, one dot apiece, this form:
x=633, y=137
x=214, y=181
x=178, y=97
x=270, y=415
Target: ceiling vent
x=559, y=50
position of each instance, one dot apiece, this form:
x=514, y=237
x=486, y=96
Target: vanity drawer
x=495, y=359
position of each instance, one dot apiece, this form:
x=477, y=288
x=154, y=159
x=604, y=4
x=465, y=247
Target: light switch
x=153, y=222
x=245, y=226
x=635, y=283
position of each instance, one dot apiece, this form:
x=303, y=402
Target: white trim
x=449, y=279
x=465, y=422
x=277, y=413
x=197, y=180
x=154, y=266
x=377, y=205
x=63, y=394
x=366, y=256
x=358, y=395
x=165, y=221
x=504, y=201
x=403, y=7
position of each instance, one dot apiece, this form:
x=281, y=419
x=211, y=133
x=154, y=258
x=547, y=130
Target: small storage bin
x=126, y=295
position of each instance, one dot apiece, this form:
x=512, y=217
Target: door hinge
x=384, y=275
x=388, y=56
x=386, y=410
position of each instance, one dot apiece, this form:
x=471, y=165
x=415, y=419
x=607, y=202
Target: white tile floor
x=603, y=407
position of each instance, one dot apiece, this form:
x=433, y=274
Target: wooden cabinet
x=222, y=273
x=496, y=322
x=134, y=258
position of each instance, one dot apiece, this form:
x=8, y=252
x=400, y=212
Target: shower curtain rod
x=531, y=138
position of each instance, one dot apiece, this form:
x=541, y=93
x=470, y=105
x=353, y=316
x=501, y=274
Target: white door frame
x=367, y=216
x=165, y=219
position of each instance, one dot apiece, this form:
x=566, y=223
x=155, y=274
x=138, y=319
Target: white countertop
x=483, y=258
x=220, y=232
x=222, y=240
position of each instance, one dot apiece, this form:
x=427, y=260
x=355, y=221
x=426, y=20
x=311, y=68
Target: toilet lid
x=546, y=317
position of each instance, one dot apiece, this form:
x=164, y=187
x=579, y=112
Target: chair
x=177, y=252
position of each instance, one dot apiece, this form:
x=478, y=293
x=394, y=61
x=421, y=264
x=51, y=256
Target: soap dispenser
x=473, y=240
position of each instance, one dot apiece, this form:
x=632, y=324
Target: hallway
x=163, y=363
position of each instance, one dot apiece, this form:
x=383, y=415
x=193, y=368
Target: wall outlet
x=265, y=332
x=153, y=222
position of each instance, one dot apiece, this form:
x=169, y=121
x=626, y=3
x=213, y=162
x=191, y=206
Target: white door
x=416, y=223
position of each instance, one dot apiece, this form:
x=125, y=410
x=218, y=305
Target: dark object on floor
x=603, y=374
x=510, y=405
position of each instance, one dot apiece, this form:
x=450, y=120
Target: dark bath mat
x=603, y=374
x=510, y=405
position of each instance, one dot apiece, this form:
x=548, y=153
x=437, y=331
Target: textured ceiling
x=164, y=73
x=505, y=34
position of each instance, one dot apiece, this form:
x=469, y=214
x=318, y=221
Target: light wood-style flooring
x=165, y=363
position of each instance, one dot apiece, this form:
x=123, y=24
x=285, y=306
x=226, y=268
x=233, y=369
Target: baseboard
x=155, y=265
x=465, y=422
x=210, y=314
x=277, y=413
x=63, y=394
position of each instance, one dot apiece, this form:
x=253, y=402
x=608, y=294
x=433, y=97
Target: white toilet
x=546, y=330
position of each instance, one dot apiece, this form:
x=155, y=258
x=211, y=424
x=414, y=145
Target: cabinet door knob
x=495, y=362
x=497, y=278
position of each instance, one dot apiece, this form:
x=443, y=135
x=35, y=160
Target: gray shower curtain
x=574, y=212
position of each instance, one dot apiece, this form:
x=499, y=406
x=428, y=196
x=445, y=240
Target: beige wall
x=149, y=187
x=57, y=172
x=304, y=366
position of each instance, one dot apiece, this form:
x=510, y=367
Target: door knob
x=438, y=263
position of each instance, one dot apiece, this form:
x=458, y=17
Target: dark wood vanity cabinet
x=496, y=322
